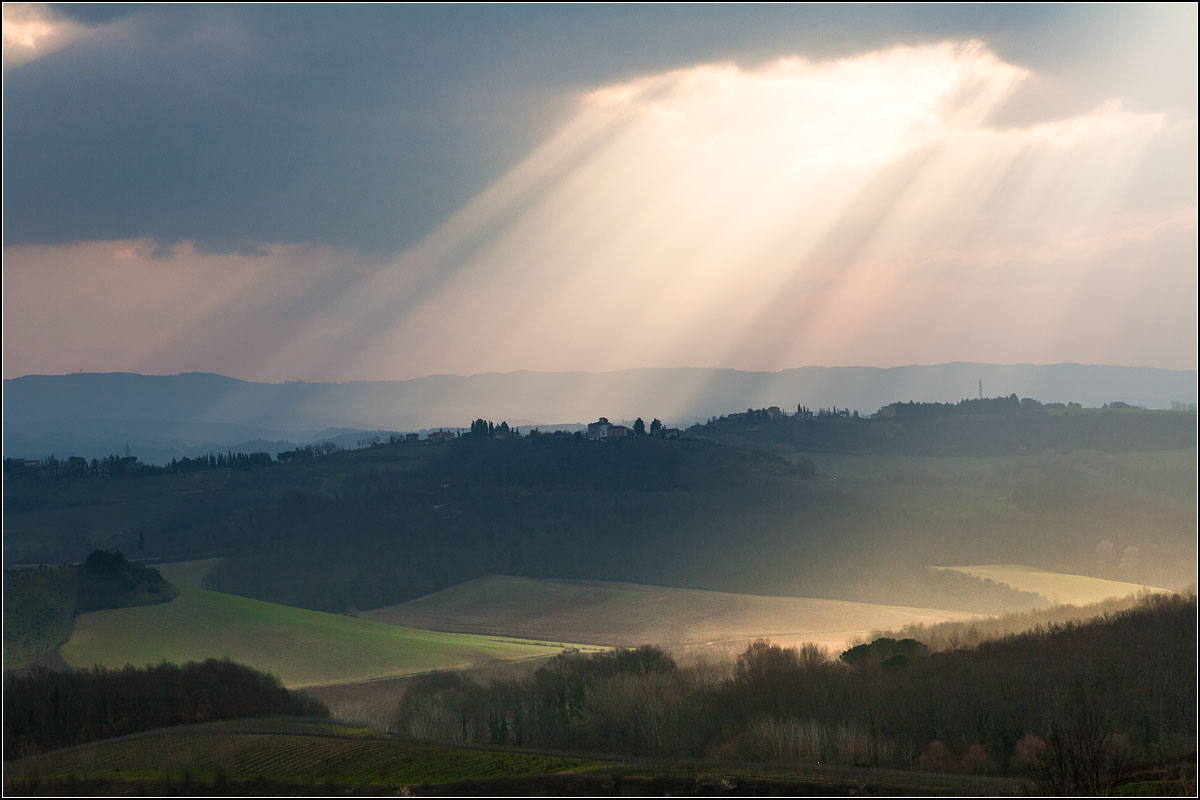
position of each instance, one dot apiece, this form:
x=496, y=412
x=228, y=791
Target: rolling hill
x=629, y=615
x=164, y=415
x=1057, y=587
x=302, y=647
x=384, y=525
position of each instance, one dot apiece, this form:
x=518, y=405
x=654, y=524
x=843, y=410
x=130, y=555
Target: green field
x=39, y=606
x=304, y=648
x=287, y=751
x=630, y=614
x=1058, y=587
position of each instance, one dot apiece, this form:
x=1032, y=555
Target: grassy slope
x=284, y=751
x=39, y=606
x=631, y=614
x=302, y=647
x=1058, y=587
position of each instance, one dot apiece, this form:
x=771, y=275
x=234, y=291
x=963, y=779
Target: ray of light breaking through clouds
x=778, y=215
x=858, y=210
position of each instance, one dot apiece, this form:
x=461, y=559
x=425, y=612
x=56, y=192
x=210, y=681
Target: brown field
x=628, y=615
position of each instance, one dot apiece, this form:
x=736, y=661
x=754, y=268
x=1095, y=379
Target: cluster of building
x=603, y=430
x=432, y=436
x=73, y=466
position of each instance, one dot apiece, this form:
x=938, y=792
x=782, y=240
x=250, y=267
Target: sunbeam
x=861, y=210
x=764, y=217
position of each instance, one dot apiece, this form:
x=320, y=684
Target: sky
x=385, y=192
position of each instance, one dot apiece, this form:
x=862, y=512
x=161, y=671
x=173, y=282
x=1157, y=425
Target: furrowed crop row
x=257, y=752
x=176, y=753
x=273, y=762
x=334, y=758
x=475, y=765
x=248, y=761
x=241, y=762
x=377, y=756
x=424, y=765
x=296, y=757
x=305, y=759
x=427, y=761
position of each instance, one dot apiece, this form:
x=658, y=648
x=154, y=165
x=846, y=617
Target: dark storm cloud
x=365, y=126
x=95, y=13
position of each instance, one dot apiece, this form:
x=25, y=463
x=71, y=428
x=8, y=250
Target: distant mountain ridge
x=96, y=413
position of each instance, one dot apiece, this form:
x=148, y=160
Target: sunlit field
x=629, y=614
x=1057, y=587
x=302, y=647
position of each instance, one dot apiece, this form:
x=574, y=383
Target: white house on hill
x=602, y=430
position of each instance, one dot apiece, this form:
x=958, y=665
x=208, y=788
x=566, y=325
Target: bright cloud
x=852, y=211
x=32, y=30
x=780, y=216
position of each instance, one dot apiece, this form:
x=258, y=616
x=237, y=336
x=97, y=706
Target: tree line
x=108, y=580
x=1117, y=690
x=981, y=427
x=119, y=466
x=219, y=461
x=47, y=710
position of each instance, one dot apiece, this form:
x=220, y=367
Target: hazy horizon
x=588, y=372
